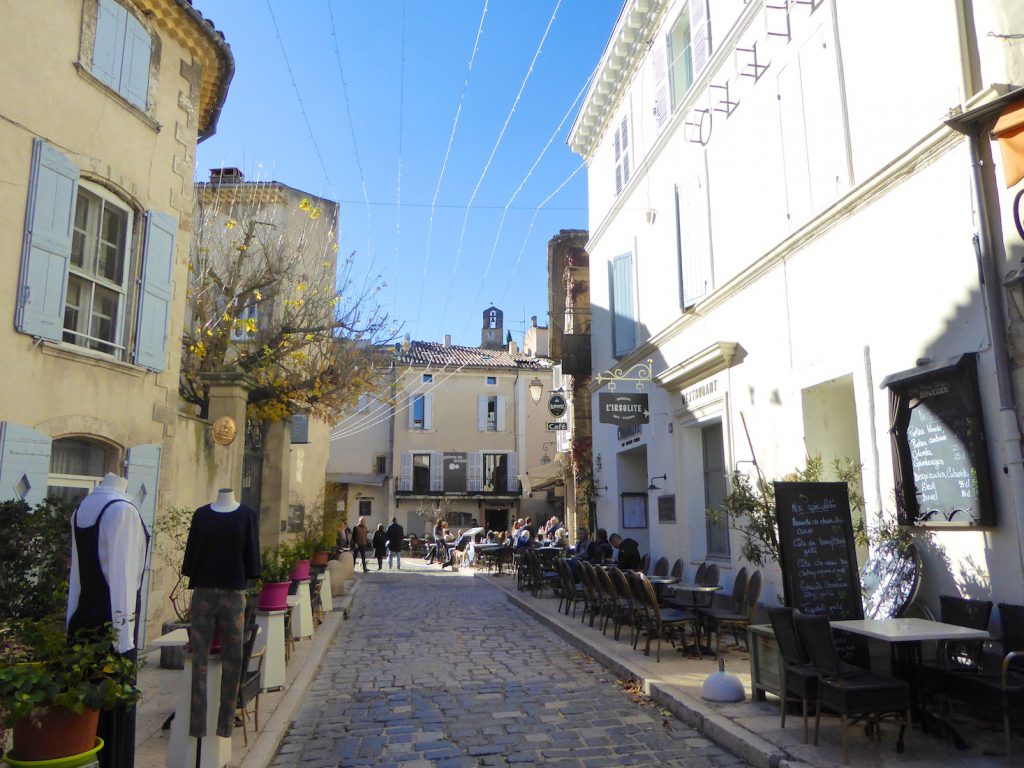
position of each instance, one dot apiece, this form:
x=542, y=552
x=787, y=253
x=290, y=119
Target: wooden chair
x=849, y=691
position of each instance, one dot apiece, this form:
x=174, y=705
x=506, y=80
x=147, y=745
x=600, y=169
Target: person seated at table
x=524, y=538
x=459, y=552
x=628, y=552
x=552, y=528
x=528, y=523
x=603, y=550
x=584, y=546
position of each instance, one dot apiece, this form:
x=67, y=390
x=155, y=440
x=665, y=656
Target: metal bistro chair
x=997, y=683
x=249, y=686
x=677, y=569
x=616, y=608
x=658, y=621
x=539, y=576
x=594, y=600
x=629, y=612
x=645, y=563
x=572, y=593
x=849, y=691
x=749, y=593
x=661, y=567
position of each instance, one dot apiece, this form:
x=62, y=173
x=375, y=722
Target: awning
x=352, y=478
x=1009, y=130
x=544, y=476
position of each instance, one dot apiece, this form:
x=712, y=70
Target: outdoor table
x=660, y=582
x=695, y=590
x=904, y=637
x=492, y=552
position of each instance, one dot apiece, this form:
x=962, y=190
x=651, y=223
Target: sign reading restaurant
x=699, y=392
x=623, y=409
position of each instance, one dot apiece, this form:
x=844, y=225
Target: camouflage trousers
x=224, y=610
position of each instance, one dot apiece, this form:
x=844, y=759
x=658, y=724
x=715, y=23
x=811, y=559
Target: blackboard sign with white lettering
x=816, y=549
x=939, y=453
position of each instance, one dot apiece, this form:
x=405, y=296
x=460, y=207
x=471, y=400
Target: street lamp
x=536, y=389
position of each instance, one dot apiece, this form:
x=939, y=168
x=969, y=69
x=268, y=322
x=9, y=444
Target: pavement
x=446, y=669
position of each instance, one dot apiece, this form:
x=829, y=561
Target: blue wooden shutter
x=134, y=76
x=108, y=48
x=700, y=30
x=24, y=463
x=300, y=429
x=405, y=471
x=694, y=240
x=46, y=247
x=475, y=477
x=512, y=484
x=659, y=63
x=155, y=296
x=436, y=471
x=481, y=413
x=428, y=411
x=143, y=476
x=620, y=276
x=500, y=415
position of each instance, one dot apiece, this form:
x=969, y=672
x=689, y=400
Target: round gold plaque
x=224, y=430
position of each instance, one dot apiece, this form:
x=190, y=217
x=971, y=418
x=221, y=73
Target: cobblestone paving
x=441, y=670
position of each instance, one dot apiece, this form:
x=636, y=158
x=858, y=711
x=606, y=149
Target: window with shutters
x=419, y=412
x=122, y=53
x=98, y=273
x=621, y=143
x=380, y=464
x=421, y=473
x=680, y=57
x=623, y=307
x=87, y=278
x=76, y=467
x=496, y=472
x=492, y=413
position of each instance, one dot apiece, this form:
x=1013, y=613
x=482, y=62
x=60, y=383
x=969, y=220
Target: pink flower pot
x=274, y=596
x=301, y=570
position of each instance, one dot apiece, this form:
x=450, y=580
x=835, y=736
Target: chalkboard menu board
x=816, y=549
x=939, y=453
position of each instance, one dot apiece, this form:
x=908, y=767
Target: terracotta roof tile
x=437, y=354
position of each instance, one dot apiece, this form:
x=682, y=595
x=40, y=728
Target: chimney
x=226, y=176
x=513, y=348
x=447, y=339
x=405, y=343
x=533, y=321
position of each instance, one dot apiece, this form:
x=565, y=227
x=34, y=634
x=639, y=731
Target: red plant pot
x=60, y=733
x=274, y=596
x=320, y=558
x=300, y=571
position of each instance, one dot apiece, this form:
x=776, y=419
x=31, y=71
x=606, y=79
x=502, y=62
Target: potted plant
x=303, y=550
x=275, y=578
x=52, y=686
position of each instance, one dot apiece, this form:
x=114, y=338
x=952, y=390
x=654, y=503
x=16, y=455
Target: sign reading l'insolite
x=623, y=409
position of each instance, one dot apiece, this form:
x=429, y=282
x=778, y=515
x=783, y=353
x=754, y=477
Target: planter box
x=765, y=661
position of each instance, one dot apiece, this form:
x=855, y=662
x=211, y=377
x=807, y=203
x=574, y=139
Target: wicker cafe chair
x=997, y=683
x=849, y=691
x=661, y=567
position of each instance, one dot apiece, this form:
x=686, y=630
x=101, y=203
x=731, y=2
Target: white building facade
x=781, y=219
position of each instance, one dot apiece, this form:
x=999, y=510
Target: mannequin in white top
x=226, y=501
x=121, y=544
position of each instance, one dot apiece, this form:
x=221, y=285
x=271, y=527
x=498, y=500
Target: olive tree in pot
x=171, y=535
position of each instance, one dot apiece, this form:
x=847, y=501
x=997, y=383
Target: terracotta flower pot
x=300, y=571
x=320, y=558
x=59, y=733
x=274, y=596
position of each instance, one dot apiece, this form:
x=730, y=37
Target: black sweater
x=223, y=548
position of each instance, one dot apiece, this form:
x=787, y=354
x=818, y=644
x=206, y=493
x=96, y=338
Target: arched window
x=77, y=464
x=492, y=319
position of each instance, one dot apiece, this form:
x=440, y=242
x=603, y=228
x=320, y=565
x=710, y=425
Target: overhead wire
x=447, y=153
x=352, y=134
x=298, y=95
x=526, y=178
x=494, y=150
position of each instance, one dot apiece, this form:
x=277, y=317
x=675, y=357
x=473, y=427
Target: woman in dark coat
x=380, y=545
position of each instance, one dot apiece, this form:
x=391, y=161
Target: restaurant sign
x=623, y=409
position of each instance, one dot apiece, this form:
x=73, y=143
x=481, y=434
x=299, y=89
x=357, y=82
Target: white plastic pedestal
x=303, y=616
x=181, y=752
x=271, y=637
x=325, y=592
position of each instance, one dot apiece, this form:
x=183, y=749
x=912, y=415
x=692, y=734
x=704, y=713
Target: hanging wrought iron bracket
x=613, y=376
x=725, y=104
x=759, y=69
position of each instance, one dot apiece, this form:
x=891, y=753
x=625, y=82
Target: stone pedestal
x=337, y=571
x=271, y=638
x=229, y=394
x=302, y=619
x=325, y=592
x=181, y=751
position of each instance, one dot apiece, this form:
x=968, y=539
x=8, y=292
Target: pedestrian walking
x=396, y=542
x=360, y=541
x=380, y=545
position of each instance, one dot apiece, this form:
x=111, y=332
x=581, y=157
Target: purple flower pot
x=274, y=596
x=300, y=571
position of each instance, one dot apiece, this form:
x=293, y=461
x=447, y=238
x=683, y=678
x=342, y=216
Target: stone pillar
x=229, y=395
x=277, y=475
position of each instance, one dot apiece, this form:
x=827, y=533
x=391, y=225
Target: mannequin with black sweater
x=221, y=555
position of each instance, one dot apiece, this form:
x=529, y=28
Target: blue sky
x=263, y=131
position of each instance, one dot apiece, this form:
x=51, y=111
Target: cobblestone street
x=441, y=670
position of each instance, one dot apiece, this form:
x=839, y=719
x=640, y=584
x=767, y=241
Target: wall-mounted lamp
x=536, y=390
x=652, y=486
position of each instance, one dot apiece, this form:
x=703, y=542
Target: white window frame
x=428, y=378
x=412, y=479
x=490, y=381
x=680, y=57
x=419, y=422
x=83, y=338
x=622, y=147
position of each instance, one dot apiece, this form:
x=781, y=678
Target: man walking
x=396, y=540
x=360, y=541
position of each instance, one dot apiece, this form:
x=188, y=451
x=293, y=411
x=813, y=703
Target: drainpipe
x=985, y=195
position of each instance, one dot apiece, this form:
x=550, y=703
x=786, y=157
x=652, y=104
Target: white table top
x=909, y=630
x=176, y=638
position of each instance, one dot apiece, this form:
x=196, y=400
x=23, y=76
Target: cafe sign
x=556, y=405
x=623, y=409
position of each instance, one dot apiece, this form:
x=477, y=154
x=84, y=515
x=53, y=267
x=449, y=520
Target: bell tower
x=492, y=334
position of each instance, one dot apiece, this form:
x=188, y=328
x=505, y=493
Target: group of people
x=387, y=543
